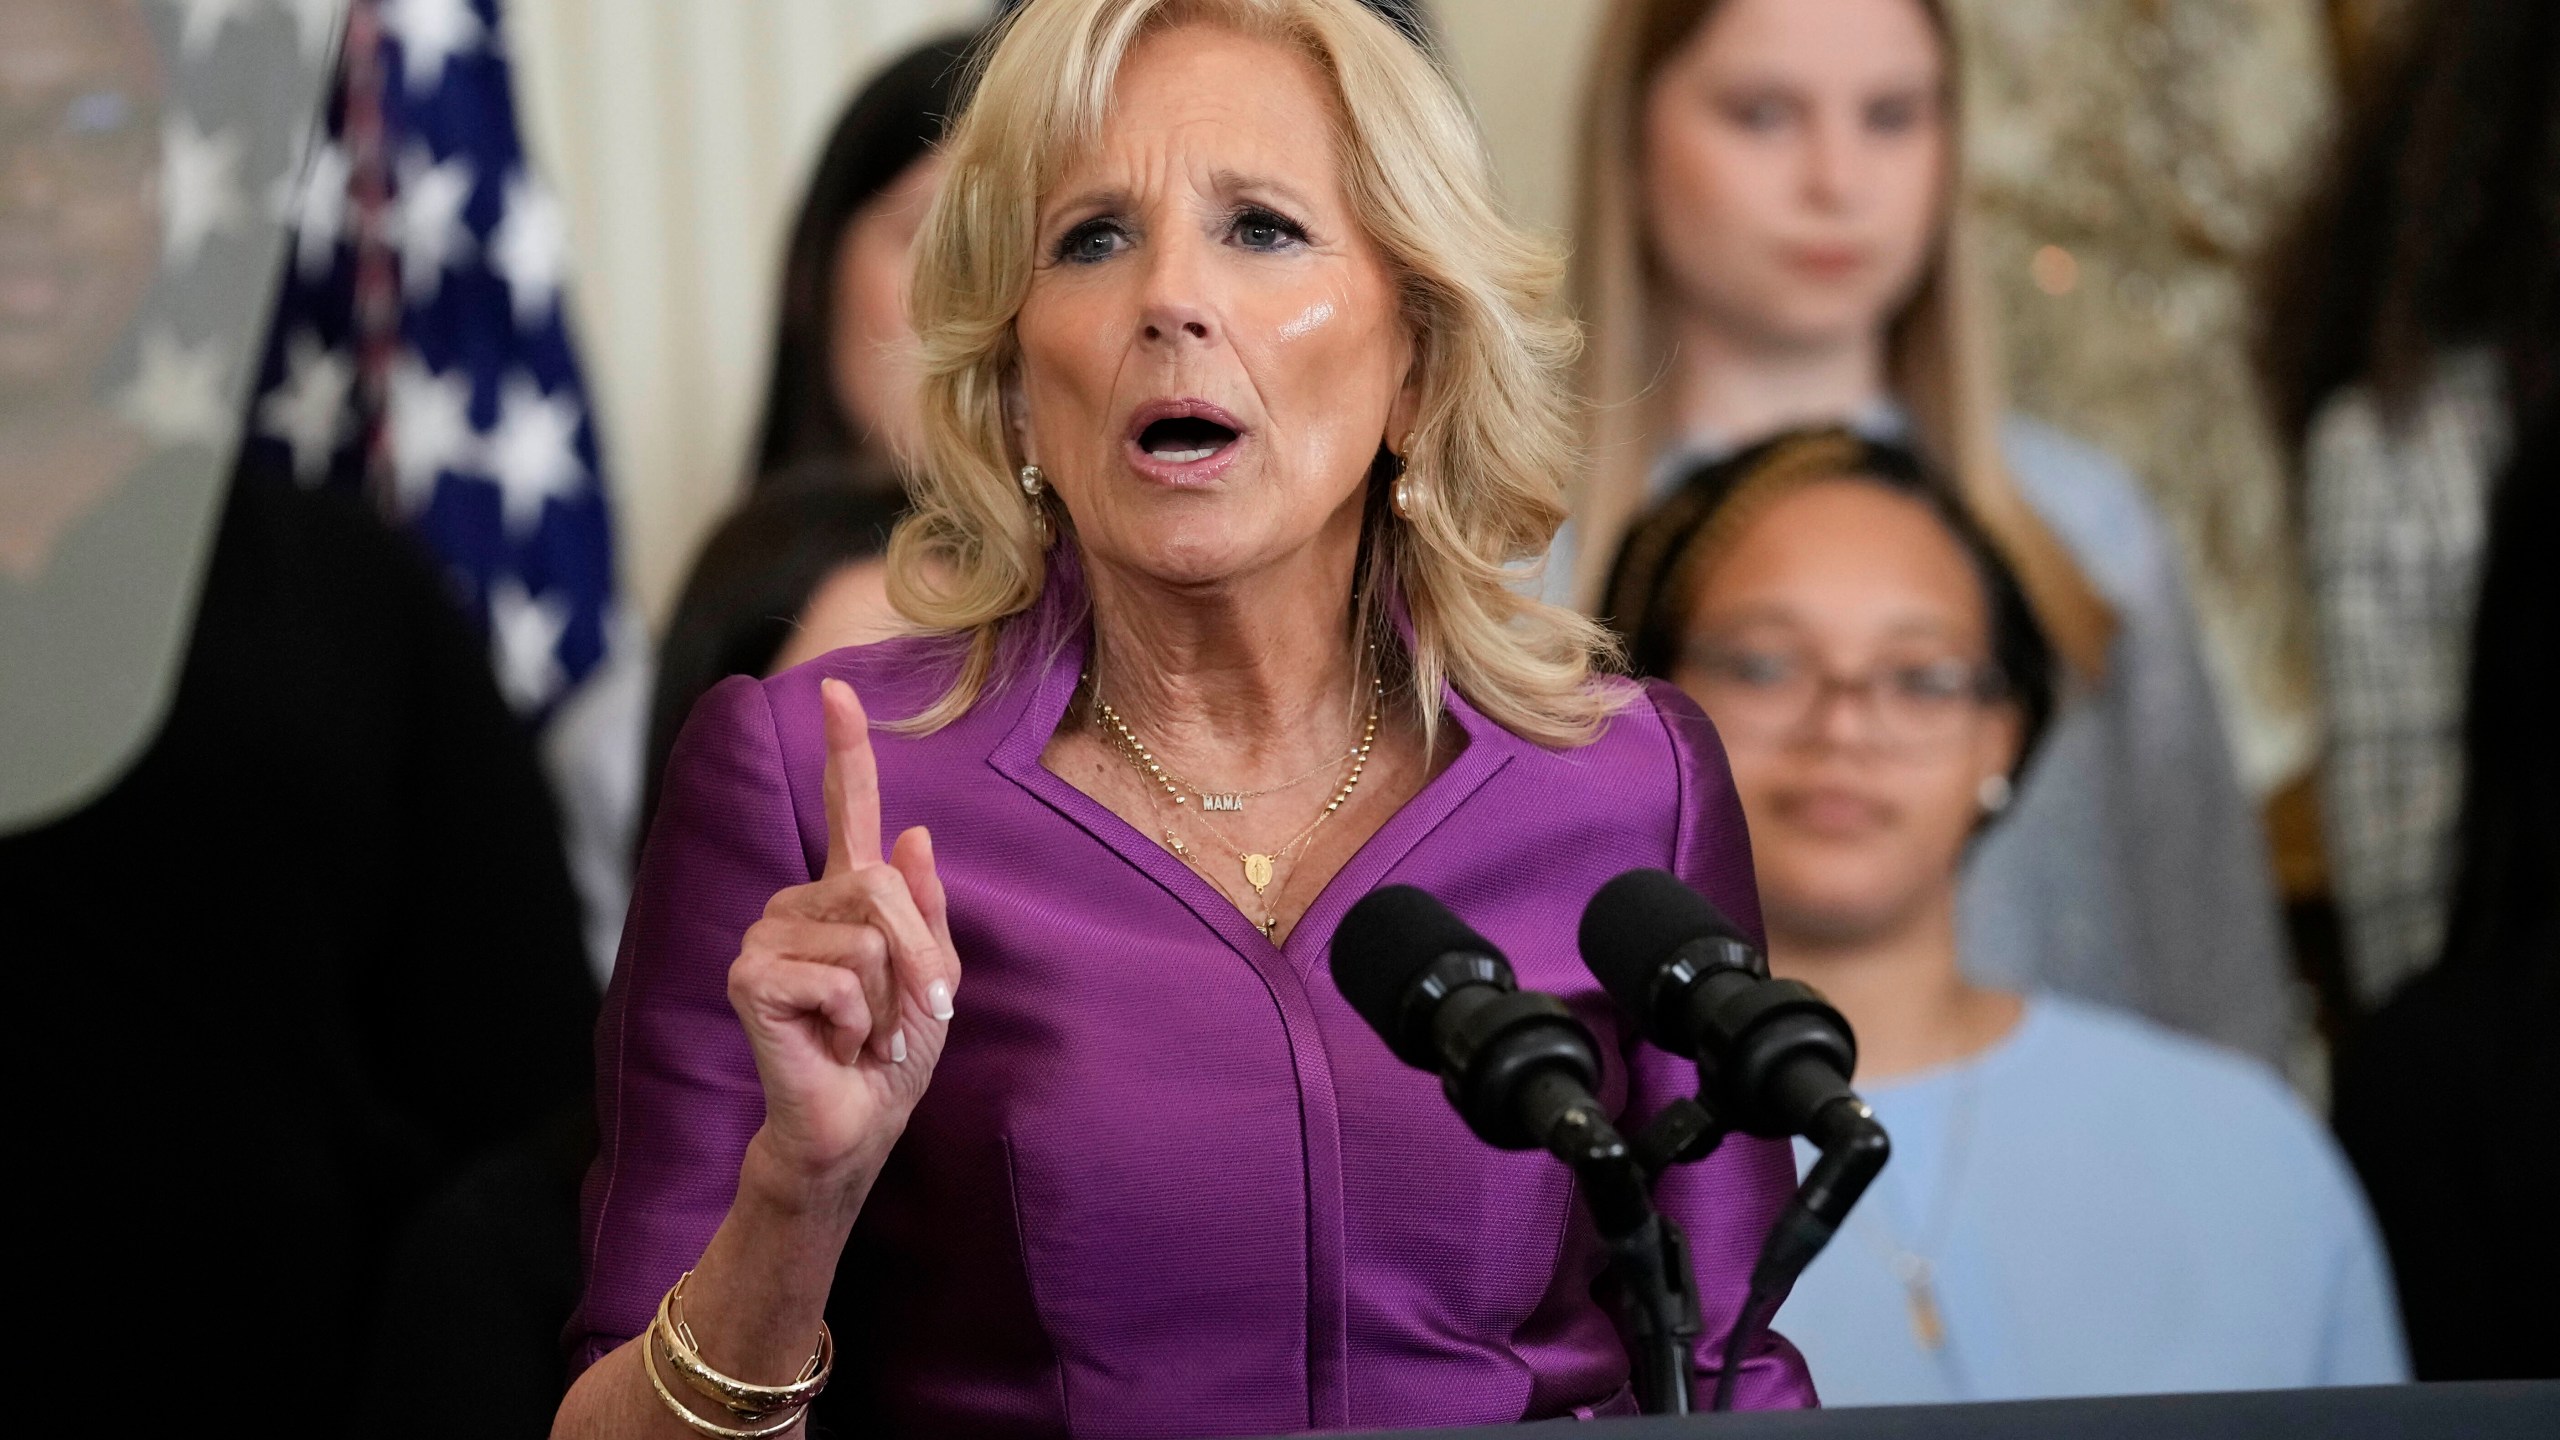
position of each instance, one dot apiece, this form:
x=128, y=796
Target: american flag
x=419, y=352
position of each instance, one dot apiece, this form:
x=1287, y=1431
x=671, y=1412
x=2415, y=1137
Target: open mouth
x=1184, y=439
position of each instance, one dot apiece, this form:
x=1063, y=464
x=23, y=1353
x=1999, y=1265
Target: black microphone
x=1516, y=1063
x=1772, y=1055
x=1520, y=1069
x=1774, y=1059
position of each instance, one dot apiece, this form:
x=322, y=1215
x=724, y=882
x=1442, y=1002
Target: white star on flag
x=432, y=32
x=177, y=395
x=199, y=188
x=532, y=455
x=524, y=636
x=315, y=25
x=428, y=419
x=201, y=23
x=309, y=411
x=530, y=248
x=315, y=207
x=427, y=222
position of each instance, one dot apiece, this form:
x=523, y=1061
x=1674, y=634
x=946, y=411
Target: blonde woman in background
x=1767, y=237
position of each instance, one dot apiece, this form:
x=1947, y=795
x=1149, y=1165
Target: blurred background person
x=325, y=914
x=2445, y=1096
x=333, y=897
x=2080, y=1201
x=1766, y=237
x=797, y=561
x=2445, y=1093
x=79, y=249
x=796, y=570
x=842, y=388
x=2412, y=326
x=2412, y=345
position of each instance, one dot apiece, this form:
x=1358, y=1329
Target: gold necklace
x=1209, y=799
x=1915, y=1265
x=1260, y=867
x=1232, y=799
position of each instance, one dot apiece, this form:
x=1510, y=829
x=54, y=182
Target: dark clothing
x=476, y=1292
x=2445, y=1099
x=314, y=952
x=2445, y=1103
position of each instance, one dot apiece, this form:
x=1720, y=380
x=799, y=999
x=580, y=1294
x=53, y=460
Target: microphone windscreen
x=1631, y=927
x=1386, y=941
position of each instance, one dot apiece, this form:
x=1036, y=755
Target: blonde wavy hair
x=1494, y=433
x=1942, y=351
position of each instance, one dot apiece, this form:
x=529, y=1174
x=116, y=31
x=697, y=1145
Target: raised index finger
x=852, y=780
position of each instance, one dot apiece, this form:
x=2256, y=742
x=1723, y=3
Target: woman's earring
x=1034, y=485
x=1406, y=497
x=1994, y=794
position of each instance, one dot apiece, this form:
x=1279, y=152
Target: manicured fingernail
x=937, y=996
x=898, y=1047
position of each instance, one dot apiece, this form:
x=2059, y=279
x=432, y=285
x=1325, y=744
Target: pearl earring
x=1994, y=794
x=1034, y=480
x=1406, y=497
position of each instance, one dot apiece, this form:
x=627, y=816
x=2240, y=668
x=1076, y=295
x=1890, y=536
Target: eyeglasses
x=96, y=139
x=1779, y=694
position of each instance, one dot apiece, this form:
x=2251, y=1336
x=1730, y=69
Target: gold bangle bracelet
x=696, y=1423
x=747, y=1401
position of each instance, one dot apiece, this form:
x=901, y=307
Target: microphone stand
x=1853, y=1149
x=1649, y=1284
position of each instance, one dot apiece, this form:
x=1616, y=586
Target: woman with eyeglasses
x=2080, y=1201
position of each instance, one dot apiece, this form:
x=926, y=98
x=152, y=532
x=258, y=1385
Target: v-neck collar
x=1017, y=757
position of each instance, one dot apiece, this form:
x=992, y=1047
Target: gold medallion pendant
x=1257, y=872
x=1920, y=1296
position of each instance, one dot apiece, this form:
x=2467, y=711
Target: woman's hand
x=845, y=986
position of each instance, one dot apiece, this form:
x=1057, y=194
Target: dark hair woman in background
x=796, y=570
x=2445, y=1096
x=844, y=372
x=800, y=555
x=2413, y=347
x=2081, y=1201
x=2412, y=330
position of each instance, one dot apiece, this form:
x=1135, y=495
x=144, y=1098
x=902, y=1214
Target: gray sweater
x=2133, y=869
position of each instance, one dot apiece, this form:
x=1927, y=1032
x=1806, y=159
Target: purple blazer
x=1165, y=1182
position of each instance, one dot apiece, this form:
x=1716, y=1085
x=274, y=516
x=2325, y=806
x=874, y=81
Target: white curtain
x=680, y=133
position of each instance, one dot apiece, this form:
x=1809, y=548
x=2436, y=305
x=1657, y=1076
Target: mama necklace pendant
x=1260, y=867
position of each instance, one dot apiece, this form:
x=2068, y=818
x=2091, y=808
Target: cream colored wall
x=1521, y=62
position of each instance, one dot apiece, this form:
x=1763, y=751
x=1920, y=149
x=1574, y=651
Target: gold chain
x=1261, y=868
x=1234, y=799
